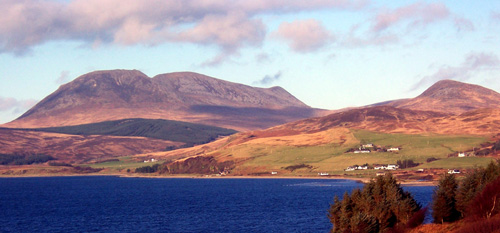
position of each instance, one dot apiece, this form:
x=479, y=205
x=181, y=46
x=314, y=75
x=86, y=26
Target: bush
x=380, y=206
x=60, y=164
x=407, y=163
x=148, y=169
x=299, y=166
x=431, y=159
x=487, y=203
x=491, y=225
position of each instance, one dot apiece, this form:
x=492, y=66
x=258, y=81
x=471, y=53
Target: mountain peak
x=451, y=89
x=452, y=97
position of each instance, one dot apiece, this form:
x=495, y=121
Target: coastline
x=121, y=175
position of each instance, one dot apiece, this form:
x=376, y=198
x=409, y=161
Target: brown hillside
x=451, y=97
x=76, y=149
x=396, y=120
x=118, y=94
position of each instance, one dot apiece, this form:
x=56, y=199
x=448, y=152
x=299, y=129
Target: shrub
x=431, y=159
x=491, y=225
x=148, y=169
x=299, y=166
x=487, y=203
x=407, y=163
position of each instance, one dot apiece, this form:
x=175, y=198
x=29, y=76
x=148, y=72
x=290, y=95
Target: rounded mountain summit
x=184, y=96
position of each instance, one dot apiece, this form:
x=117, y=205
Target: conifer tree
x=444, y=205
x=380, y=205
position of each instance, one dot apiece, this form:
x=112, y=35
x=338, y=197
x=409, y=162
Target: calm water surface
x=113, y=204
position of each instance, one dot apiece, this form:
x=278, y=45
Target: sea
x=116, y=204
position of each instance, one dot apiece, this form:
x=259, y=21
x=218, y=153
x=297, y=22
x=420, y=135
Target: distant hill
x=176, y=131
x=184, y=96
x=78, y=148
x=450, y=96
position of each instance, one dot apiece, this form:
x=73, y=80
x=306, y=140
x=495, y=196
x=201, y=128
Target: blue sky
x=330, y=54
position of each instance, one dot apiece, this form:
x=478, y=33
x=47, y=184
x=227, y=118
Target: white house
x=350, y=169
x=392, y=167
x=361, y=151
x=461, y=154
x=393, y=149
x=454, y=171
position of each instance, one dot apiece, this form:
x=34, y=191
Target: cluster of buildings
x=368, y=148
x=352, y=168
x=151, y=161
x=381, y=167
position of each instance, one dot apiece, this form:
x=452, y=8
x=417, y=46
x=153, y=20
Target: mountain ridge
x=185, y=96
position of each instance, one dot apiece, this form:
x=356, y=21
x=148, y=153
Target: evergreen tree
x=444, y=207
x=381, y=205
x=474, y=183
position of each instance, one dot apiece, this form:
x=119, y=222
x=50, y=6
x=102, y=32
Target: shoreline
x=120, y=175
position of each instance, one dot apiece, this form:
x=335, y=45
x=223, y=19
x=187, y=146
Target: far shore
x=357, y=179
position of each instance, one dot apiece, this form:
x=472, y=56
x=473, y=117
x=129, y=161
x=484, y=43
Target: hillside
x=176, y=131
x=320, y=144
x=76, y=148
x=120, y=94
x=451, y=97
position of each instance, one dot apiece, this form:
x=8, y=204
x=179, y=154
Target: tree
x=474, y=183
x=444, y=205
x=381, y=205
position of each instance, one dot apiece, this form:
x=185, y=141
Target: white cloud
x=228, y=25
x=304, y=35
x=14, y=105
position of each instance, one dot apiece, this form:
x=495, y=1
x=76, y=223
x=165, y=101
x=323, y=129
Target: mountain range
x=106, y=114
x=184, y=96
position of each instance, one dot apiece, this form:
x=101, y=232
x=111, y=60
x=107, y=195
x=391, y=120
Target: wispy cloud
x=228, y=25
x=63, y=78
x=304, y=35
x=418, y=14
x=473, y=62
x=268, y=79
x=391, y=26
x=14, y=105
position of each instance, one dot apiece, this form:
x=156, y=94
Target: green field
x=332, y=158
x=123, y=163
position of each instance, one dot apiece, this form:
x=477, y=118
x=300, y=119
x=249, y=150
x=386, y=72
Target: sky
x=330, y=54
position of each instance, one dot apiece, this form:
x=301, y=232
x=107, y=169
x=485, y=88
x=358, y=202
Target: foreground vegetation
x=380, y=206
x=475, y=200
x=471, y=205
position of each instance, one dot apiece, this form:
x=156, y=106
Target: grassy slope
x=266, y=154
x=188, y=133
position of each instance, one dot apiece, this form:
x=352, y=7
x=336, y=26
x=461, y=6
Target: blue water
x=113, y=204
